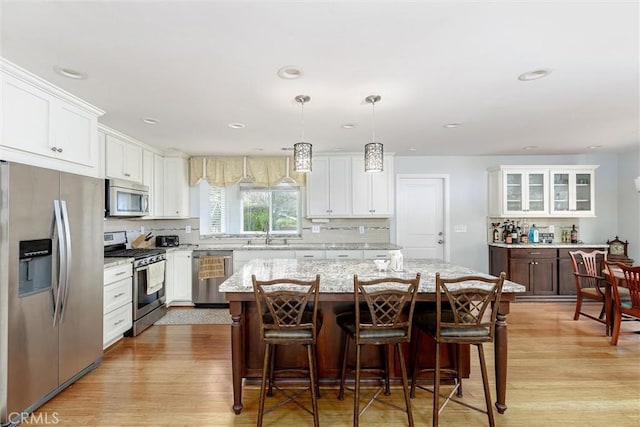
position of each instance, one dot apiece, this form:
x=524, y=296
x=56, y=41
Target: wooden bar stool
x=289, y=311
x=384, y=321
x=467, y=317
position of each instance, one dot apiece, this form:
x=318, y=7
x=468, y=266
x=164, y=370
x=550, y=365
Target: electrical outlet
x=361, y=229
x=187, y=229
x=459, y=228
x=315, y=228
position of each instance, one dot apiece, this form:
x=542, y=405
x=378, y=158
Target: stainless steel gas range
x=148, y=279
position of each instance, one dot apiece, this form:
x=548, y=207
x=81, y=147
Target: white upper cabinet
x=339, y=187
x=372, y=192
x=176, y=187
x=329, y=188
x=45, y=126
x=123, y=159
x=572, y=192
x=541, y=191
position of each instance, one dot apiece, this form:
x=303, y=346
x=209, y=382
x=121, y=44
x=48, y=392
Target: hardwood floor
x=561, y=373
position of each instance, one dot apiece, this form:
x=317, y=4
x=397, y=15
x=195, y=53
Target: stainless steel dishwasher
x=205, y=290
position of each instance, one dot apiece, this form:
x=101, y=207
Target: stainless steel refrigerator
x=51, y=273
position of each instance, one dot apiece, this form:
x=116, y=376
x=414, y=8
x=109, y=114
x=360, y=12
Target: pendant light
x=373, y=151
x=302, y=150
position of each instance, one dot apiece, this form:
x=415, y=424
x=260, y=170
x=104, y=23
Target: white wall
x=469, y=206
x=629, y=202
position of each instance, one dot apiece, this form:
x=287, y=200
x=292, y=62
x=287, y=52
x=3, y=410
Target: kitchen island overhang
x=336, y=296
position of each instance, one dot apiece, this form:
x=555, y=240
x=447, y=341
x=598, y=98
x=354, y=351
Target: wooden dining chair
x=289, y=316
x=467, y=315
x=621, y=305
x=589, y=281
x=384, y=319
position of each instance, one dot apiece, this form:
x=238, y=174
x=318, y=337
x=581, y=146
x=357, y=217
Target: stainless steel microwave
x=126, y=199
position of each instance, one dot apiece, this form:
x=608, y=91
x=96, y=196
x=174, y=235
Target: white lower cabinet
x=369, y=254
x=310, y=255
x=178, y=278
x=240, y=258
x=117, y=303
x=348, y=254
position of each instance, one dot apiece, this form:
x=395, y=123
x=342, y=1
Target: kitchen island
x=336, y=296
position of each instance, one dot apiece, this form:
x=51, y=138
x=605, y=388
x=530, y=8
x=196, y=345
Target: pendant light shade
x=302, y=150
x=373, y=157
x=373, y=151
x=302, y=157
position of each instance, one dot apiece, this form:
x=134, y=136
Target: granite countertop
x=336, y=276
x=549, y=245
x=114, y=262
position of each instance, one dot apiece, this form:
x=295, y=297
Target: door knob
x=440, y=233
x=440, y=241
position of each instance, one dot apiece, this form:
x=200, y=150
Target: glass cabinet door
x=526, y=192
x=573, y=193
x=536, y=192
x=583, y=192
x=514, y=192
x=561, y=192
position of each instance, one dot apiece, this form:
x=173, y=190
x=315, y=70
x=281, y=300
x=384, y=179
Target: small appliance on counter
x=167, y=241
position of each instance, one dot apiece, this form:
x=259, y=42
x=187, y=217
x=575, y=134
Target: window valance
x=227, y=171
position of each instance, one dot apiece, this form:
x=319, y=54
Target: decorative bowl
x=381, y=264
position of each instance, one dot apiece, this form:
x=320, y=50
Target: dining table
x=336, y=296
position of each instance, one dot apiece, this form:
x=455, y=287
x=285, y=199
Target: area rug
x=196, y=316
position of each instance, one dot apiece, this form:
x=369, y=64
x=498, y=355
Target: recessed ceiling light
x=349, y=125
x=337, y=149
x=70, y=73
x=150, y=121
x=451, y=125
x=236, y=125
x=290, y=72
x=594, y=147
x=413, y=149
x=530, y=147
x=533, y=75
x=258, y=149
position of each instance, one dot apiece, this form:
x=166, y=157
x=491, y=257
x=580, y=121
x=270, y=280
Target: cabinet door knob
x=440, y=241
x=59, y=150
x=54, y=148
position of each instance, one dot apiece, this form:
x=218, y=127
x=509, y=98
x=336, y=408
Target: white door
x=420, y=216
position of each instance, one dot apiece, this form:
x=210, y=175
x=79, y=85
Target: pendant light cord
x=302, y=119
x=373, y=120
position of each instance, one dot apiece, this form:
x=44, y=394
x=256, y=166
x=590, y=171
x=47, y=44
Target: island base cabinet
x=330, y=349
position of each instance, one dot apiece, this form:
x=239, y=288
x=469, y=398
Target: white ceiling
x=198, y=66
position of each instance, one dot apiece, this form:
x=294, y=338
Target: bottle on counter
x=534, y=234
x=574, y=234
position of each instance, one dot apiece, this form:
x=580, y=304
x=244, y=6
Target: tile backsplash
x=550, y=229
x=334, y=231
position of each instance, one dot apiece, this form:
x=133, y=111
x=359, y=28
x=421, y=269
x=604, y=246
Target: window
x=217, y=209
x=275, y=209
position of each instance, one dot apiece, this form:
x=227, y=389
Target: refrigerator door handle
x=67, y=260
x=62, y=272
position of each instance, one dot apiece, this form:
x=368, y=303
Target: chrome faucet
x=267, y=239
